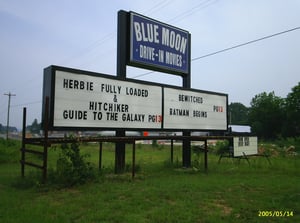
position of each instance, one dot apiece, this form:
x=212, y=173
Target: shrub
x=72, y=167
x=222, y=147
x=9, y=150
x=288, y=146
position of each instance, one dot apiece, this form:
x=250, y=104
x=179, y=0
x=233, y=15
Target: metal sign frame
x=202, y=106
x=50, y=91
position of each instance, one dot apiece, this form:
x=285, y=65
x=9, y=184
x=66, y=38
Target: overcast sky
x=82, y=34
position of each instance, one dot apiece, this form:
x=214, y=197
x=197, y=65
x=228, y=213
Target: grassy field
x=161, y=192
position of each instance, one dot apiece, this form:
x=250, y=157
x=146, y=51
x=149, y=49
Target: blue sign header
x=158, y=46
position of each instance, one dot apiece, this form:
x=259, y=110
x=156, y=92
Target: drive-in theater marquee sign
x=83, y=100
x=86, y=100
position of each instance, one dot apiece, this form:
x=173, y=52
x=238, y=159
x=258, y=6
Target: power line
x=144, y=74
x=200, y=57
x=28, y=103
x=159, y=6
x=243, y=44
x=112, y=34
x=155, y=8
x=231, y=48
x=91, y=47
x=189, y=12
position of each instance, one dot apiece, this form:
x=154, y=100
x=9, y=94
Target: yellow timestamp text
x=275, y=213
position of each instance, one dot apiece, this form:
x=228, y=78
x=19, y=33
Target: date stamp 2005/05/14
x=275, y=213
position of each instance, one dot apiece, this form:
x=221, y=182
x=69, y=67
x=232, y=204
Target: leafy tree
x=34, y=127
x=292, y=112
x=238, y=114
x=266, y=115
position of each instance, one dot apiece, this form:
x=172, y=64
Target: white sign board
x=82, y=100
x=185, y=109
x=244, y=145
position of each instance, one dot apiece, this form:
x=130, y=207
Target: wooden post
x=120, y=149
x=100, y=155
x=45, y=156
x=23, y=143
x=133, y=159
x=205, y=155
x=172, y=151
x=186, y=149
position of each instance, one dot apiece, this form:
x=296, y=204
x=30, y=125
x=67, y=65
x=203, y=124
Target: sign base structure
x=120, y=153
x=83, y=100
x=45, y=142
x=146, y=43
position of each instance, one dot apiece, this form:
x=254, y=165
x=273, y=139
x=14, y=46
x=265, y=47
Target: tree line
x=269, y=116
x=3, y=128
x=33, y=128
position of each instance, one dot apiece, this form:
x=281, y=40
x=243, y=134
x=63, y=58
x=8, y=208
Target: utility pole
x=8, y=108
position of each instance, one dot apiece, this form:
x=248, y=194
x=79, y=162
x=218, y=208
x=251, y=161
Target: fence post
x=172, y=151
x=45, y=155
x=100, y=155
x=23, y=143
x=133, y=159
x=205, y=155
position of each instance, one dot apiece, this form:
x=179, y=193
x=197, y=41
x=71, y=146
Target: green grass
x=161, y=192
